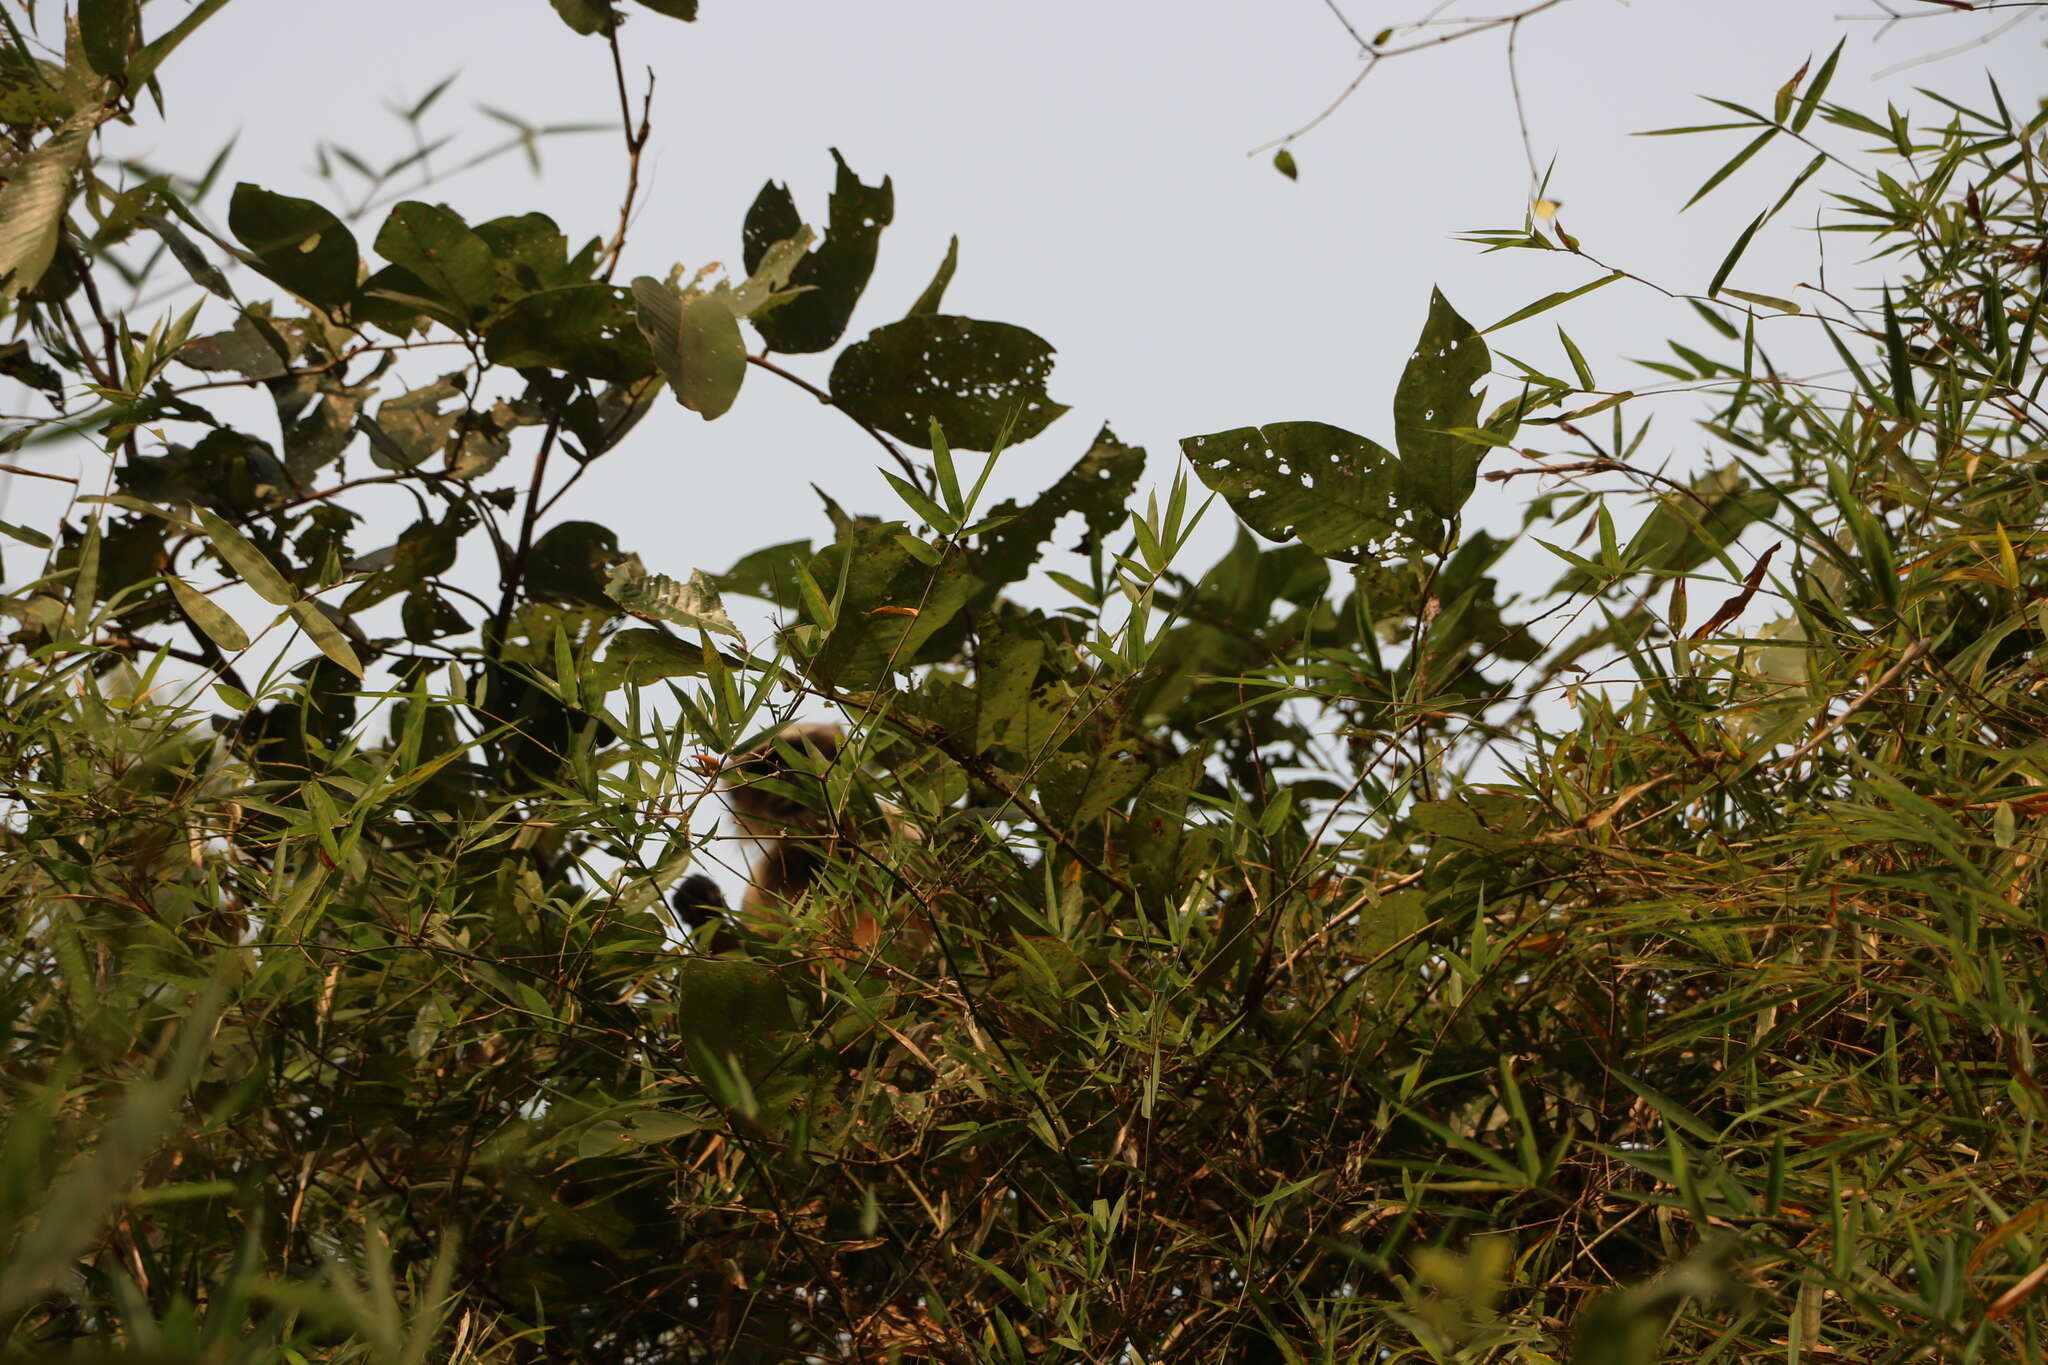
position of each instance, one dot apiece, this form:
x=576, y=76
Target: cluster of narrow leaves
x=1303, y=958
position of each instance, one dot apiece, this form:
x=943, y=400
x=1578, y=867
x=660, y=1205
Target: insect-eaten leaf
x=983, y=382
x=696, y=343
x=297, y=244
x=1338, y=493
x=1439, y=468
x=834, y=275
x=657, y=597
x=33, y=203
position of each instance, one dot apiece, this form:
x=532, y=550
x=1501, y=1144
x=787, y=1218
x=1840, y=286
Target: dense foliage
x=1325, y=955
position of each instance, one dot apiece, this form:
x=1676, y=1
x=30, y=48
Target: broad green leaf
x=587, y=330
x=1098, y=487
x=984, y=382
x=733, y=1009
x=696, y=342
x=323, y=632
x=207, y=614
x=1338, y=493
x=441, y=251
x=411, y=428
x=894, y=602
x=571, y=564
x=296, y=243
x=107, y=30
x=251, y=350
x=658, y=597
x=246, y=559
x=771, y=573
x=640, y=657
x=32, y=204
x=685, y=10
x=585, y=16
x=835, y=274
x=935, y=293
x=1283, y=162
x=1438, y=469
x=532, y=254
x=427, y=616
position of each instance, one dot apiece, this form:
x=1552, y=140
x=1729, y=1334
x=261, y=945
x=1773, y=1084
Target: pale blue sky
x=1092, y=159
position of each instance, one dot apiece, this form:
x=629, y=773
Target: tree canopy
x=1346, y=950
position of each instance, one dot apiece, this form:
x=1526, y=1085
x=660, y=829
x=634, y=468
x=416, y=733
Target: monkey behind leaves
x=795, y=835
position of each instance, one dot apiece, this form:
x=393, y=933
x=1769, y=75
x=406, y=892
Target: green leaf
x=207, y=614
x=255, y=568
x=26, y=535
x=696, y=342
x=1733, y=165
x=297, y=244
x=1338, y=493
x=410, y=428
x=32, y=204
x=768, y=286
x=935, y=292
x=323, y=632
x=585, y=16
x=1283, y=162
x=1098, y=487
x=892, y=605
x=571, y=564
x=984, y=382
x=588, y=330
x=155, y=52
x=427, y=616
x=640, y=657
x=107, y=30
x=1438, y=469
x=1814, y=91
x=835, y=274
x=658, y=597
x=686, y=10
x=1895, y=354
x=439, y=250
x=1735, y=254
x=771, y=573
x=1550, y=301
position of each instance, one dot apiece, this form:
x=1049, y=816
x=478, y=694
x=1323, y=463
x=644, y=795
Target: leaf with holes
x=1338, y=493
x=32, y=205
x=1438, y=469
x=980, y=381
x=835, y=274
x=657, y=597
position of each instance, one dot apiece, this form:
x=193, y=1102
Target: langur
x=795, y=836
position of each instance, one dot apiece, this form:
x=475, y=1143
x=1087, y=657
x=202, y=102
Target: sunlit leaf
x=297, y=243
